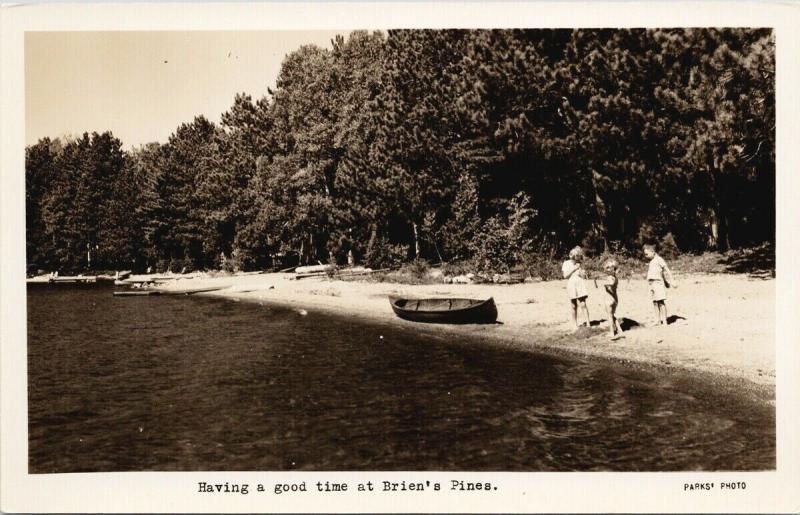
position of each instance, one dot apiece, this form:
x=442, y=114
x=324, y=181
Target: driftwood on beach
x=301, y=272
x=333, y=272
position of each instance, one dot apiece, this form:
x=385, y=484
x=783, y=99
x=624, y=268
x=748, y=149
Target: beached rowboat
x=446, y=311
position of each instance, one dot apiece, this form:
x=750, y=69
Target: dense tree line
x=490, y=146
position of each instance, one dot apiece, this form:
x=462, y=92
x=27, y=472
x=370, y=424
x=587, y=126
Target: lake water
x=190, y=383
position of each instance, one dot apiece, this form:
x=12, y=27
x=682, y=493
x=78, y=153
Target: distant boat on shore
x=55, y=278
x=62, y=279
x=154, y=291
x=445, y=311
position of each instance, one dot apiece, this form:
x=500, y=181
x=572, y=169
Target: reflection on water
x=176, y=383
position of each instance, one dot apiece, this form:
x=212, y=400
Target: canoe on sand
x=445, y=311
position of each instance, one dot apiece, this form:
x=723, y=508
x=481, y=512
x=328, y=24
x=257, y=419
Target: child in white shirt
x=659, y=278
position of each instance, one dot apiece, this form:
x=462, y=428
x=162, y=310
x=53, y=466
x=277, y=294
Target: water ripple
x=200, y=384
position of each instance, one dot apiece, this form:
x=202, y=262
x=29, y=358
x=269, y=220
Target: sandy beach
x=724, y=323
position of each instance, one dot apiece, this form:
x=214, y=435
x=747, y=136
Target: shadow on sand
x=628, y=323
x=625, y=323
x=757, y=262
x=674, y=318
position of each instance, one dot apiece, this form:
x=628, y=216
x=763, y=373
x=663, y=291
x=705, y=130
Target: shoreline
x=724, y=331
x=551, y=345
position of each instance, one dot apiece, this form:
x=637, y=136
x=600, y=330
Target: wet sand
x=724, y=324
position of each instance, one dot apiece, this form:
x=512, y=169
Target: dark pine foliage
x=495, y=146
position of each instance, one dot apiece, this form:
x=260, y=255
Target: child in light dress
x=611, y=300
x=576, y=284
x=659, y=278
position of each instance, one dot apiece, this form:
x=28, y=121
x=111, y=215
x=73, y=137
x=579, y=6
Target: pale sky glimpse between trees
x=142, y=85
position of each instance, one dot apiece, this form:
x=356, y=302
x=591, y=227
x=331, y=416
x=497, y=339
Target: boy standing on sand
x=610, y=286
x=659, y=278
x=576, y=286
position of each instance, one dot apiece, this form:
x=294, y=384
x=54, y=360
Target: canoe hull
x=445, y=311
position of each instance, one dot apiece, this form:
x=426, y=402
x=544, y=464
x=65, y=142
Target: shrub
x=400, y=277
x=163, y=265
x=385, y=255
x=541, y=266
x=593, y=243
x=245, y=259
x=174, y=265
x=234, y=263
x=178, y=265
x=339, y=248
x=518, y=230
x=418, y=267
x=414, y=272
x=647, y=235
x=228, y=266
x=667, y=248
x=460, y=229
x=458, y=268
x=617, y=248
x=497, y=244
x=492, y=252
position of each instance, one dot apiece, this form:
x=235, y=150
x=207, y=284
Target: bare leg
x=662, y=312
x=656, y=313
x=575, y=312
x=612, y=323
x=586, y=312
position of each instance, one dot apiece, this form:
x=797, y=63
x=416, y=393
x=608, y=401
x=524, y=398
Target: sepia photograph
x=392, y=249
x=604, y=193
